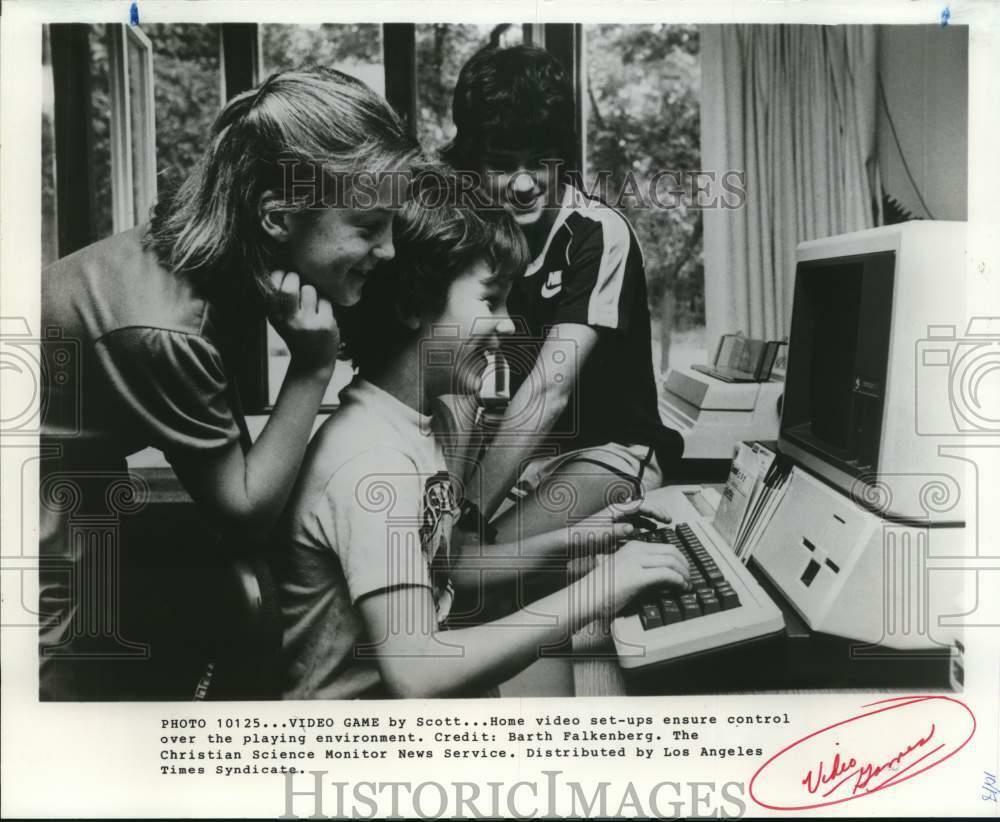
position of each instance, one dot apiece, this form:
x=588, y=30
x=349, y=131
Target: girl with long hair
x=284, y=216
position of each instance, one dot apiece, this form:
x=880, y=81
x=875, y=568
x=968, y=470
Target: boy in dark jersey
x=584, y=403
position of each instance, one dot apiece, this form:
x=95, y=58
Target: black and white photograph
x=492, y=361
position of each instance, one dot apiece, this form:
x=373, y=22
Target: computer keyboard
x=725, y=604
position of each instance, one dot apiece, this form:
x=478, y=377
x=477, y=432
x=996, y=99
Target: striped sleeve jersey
x=590, y=272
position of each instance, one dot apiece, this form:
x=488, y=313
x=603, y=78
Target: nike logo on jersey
x=553, y=285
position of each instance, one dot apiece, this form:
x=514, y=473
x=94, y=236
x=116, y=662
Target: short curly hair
x=516, y=98
x=437, y=237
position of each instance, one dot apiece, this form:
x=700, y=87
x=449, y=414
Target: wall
x=925, y=71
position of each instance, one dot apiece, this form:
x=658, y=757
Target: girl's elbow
x=407, y=684
x=414, y=675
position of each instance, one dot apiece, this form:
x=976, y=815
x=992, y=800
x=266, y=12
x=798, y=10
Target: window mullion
x=239, y=56
x=399, y=57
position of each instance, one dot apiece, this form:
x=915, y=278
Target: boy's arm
x=532, y=412
x=504, y=561
x=477, y=562
x=419, y=661
x=599, y=284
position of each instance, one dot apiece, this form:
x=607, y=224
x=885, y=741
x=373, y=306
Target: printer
x=713, y=415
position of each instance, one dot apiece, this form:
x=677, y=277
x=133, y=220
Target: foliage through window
x=187, y=86
x=642, y=95
x=442, y=50
x=100, y=121
x=50, y=220
x=354, y=49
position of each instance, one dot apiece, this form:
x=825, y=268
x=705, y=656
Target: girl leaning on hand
x=159, y=315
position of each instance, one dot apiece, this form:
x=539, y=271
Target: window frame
x=69, y=49
x=133, y=179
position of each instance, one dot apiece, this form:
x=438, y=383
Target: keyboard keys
x=727, y=597
x=689, y=606
x=688, y=539
x=708, y=601
x=670, y=611
x=709, y=591
x=650, y=617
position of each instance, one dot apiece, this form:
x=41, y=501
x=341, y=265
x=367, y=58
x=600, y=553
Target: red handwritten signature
x=896, y=740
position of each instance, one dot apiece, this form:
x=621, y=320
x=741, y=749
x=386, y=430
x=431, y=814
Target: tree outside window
x=642, y=94
x=442, y=50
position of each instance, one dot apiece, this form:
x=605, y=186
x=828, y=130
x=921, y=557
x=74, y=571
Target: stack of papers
x=756, y=485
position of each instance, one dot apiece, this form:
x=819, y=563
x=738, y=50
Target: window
x=188, y=94
x=639, y=95
x=149, y=97
x=132, y=127
x=442, y=50
x=642, y=85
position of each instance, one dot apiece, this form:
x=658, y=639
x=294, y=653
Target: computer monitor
x=866, y=307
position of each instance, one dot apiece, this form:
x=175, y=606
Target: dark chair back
x=247, y=634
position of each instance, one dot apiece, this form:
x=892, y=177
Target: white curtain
x=794, y=108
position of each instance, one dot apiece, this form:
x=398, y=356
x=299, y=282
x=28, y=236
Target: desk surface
x=596, y=674
x=794, y=662
x=595, y=663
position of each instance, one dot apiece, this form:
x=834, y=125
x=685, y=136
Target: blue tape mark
x=945, y=16
x=133, y=14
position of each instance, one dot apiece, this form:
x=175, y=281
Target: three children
x=372, y=564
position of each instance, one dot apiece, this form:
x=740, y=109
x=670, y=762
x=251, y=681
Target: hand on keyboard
x=653, y=505
x=641, y=523
x=639, y=565
x=706, y=590
x=626, y=521
x=723, y=604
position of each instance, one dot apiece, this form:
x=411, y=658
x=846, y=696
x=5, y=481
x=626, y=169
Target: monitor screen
x=837, y=357
x=835, y=291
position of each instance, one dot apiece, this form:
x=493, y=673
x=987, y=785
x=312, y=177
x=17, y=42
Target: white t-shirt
x=372, y=511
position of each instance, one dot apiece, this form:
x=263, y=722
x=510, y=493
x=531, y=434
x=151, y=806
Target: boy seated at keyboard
x=370, y=570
